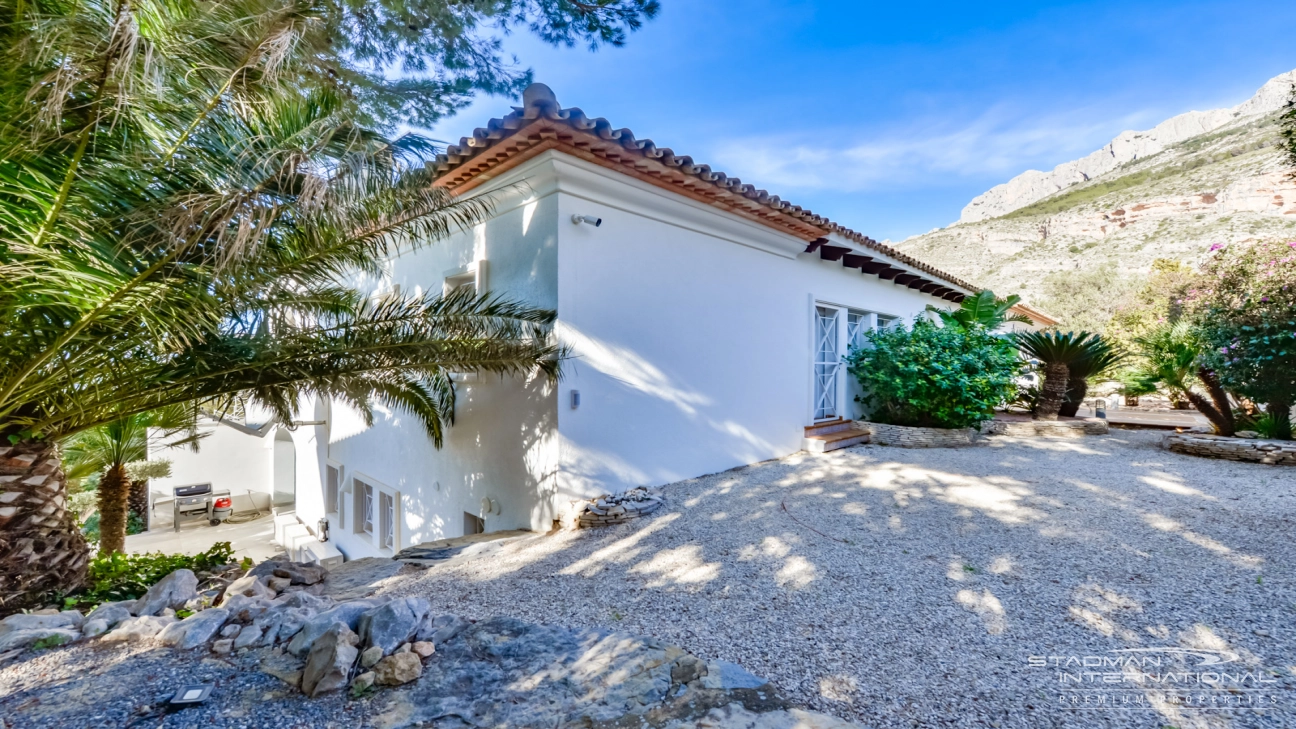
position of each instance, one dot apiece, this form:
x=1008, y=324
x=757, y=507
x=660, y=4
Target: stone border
x=1077, y=428
x=1255, y=450
x=904, y=436
x=594, y=515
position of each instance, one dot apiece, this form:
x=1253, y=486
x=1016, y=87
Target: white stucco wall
x=502, y=445
x=691, y=331
x=228, y=458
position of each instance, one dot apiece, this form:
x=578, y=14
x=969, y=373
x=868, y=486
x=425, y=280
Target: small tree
x=1245, y=308
x=1057, y=352
x=934, y=376
x=984, y=309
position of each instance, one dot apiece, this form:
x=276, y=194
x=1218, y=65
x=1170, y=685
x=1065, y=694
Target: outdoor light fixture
x=575, y=399
x=323, y=530
x=194, y=693
x=578, y=219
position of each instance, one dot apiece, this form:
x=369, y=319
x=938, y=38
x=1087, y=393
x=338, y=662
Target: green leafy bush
x=933, y=376
x=119, y=576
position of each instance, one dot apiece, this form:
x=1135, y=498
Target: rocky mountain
x=1169, y=192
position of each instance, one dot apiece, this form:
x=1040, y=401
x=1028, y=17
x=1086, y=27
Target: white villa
x=706, y=321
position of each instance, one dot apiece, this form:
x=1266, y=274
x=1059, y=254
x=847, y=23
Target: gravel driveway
x=911, y=588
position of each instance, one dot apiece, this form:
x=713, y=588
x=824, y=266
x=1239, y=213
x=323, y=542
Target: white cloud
x=999, y=143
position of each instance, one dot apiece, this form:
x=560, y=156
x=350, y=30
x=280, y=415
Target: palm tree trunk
x=1218, y=421
x=1077, y=388
x=1053, y=391
x=1225, y=424
x=1281, y=412
x=114, y=494
x=139, y=498
x=41, y=546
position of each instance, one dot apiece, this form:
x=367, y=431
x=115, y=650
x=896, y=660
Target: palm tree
x=1099, y=358
x=108, y=448
x=1172, y=358
x=183, y=203
x=1056, y=351
x=984, y=310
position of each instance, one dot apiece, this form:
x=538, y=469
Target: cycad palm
x=182, y=195
x=1171, y=356
x=1056, y=351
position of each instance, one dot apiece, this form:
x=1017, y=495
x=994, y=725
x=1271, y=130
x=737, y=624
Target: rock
x=144, y=627
x=194, y=630
x=278, y=584
x=398, y=669
x=93, y=628
x=231, y=631
x=301, y=573
x=111, y=613
x=360, y=578
x=204, y=600
x=423, y=648
x=248, y=585
x=688, y=669
x=728, y=676
x=329, y=663
x=283, y=667
x=370, y=656
x=298, y=598
x=348, y=613
x=246, y=609
x=405, y=648
x=250, y=636
x=736, y=716
x=362, y=683
x=291, y=621
x=441, y=629
x=17, y=639
x=172, y=591
x=1247, y=434
x=390, y=625
x=23, y=622
x=223, y=646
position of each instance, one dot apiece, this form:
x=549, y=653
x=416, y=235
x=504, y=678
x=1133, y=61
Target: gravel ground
x=898, y=588
x=909, y=588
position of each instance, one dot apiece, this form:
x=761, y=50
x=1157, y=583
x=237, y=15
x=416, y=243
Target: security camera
x=578, y=219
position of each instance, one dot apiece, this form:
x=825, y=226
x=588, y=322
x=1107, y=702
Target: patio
x=254, y=539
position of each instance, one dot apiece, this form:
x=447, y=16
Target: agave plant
x=182, y=207
x=984, y=310
x=1057, y=352
x=1099, y=358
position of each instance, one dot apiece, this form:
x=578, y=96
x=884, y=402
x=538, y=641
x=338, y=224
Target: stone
x=283, y=667
x=1247, y=434
x=144, y=627
x=111, y=613
x=329, y=663
x=441, y=628
x=278, y=584
x=231, y=631
x=291, y=621
x=347, y=613
x=171, y=592
x=727, y=676
x=688, y=669
x=248, y=585
x=223, y=646
x=301, y=573
x=363, y=683
x=22, y=622
x=405, y=648
x=168, y=613
x=93, y=628
x=370, y=656
x=249, y=637
x=423, y=648
x=361, y=578
x=17, y=639
x=195, y=630
x=246, y=609
x=298, y=598
x=398, y=669
x=390, y=625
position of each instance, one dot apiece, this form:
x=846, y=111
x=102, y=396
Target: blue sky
x=890, y=117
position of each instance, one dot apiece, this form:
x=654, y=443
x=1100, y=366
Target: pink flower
x=1218, y=246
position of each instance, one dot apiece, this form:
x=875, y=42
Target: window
x=471, y=277
x=473, y=524
x=387, y=520
x=364, y=502
x=332, y=479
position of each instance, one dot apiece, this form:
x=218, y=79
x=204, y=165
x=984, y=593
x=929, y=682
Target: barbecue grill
x=196, y=501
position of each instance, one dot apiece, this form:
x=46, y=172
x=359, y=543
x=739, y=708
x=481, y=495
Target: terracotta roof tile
x=541, y=124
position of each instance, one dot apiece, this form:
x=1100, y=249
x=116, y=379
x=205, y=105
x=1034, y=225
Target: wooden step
x=829, y=426
x=833, y=441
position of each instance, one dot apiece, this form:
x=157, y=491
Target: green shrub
x=933, y=376
x=121, y=576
